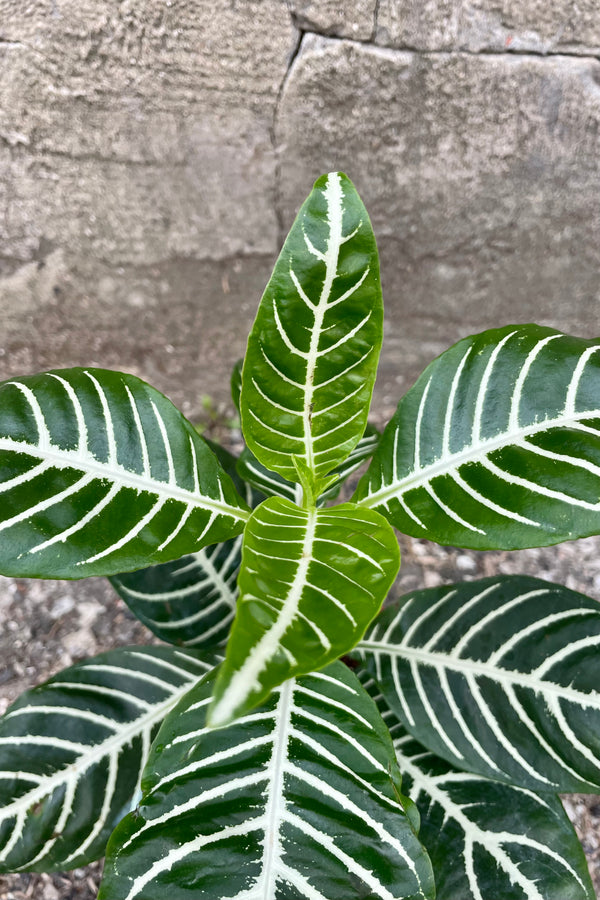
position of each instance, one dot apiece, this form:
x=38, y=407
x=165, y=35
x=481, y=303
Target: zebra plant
x=241, y=759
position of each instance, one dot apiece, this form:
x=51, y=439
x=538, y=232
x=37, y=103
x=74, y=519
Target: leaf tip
x=218, y=717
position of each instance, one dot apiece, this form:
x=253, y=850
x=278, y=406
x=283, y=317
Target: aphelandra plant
x=279, y=772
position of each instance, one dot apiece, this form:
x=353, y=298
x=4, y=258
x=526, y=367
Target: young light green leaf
x=364, y=450
x=274, y=485
x=312, y=353
x=488, y=839
x=190, y=601
x=498, y=676
x=270, y=483
x=497, y=445
x=100, y=474
x=311, y=581
x=72, y=752
x=299, y=799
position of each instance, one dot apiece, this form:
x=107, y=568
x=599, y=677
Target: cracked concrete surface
x=567, y=26
x=478, y=171
x=155, y=145
x=336, y=18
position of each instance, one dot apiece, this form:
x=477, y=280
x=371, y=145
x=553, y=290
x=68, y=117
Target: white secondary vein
x=89, y=754
x=421, y=475
x=333, y=198
x=482, y=670
x=93, y=468
x=490, y=841
x=177, y=854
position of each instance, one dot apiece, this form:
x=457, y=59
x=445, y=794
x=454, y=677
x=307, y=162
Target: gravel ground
x=45, y=626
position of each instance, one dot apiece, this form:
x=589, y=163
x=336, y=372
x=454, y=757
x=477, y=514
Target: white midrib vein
x=246, y=678
x=491, y=841
x=481, y=670
x=92, y=754
x=272, y=848
x=469, y=454
x=116, y=474
x=334, y=196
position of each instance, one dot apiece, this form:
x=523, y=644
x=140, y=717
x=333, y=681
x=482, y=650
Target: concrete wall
x=153, y=153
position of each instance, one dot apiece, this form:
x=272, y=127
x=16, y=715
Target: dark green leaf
x=189, y=601
x=498, y=676
x=236, y=383
x=487, y=839
x=497, y=445
x=72, y=752
x=100, y=474
x=297, y=800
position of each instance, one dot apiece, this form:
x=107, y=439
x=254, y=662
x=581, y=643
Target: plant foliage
x=271, y=773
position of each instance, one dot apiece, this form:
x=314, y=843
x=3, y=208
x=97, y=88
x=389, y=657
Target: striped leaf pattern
x=312, y=354
x=99, y=474
x=270, y=483
x=297, y=800
x=499, y=677
x=274, y=485
x=486, y=839
x=72, y=753
x=497, y=445
x=311, y=581
x=190, y=601
x=364, y=450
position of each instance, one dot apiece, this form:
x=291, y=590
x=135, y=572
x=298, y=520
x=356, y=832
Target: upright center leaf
x=312, y=354
x=310, y=583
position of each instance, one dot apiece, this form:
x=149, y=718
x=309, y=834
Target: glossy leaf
x=99, y=474
x=498, y=676
x=310, y=582
x=497, y=445
x=72, y=752
x=364, y=450
x=274, y=485
x=312, y=353
x=190, y=601
x=271, y=484
x=487, y=839
x=297, y=800
x=236, y=383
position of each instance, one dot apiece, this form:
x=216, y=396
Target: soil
x=45, y=626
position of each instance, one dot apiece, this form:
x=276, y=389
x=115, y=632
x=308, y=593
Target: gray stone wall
x=153, y=153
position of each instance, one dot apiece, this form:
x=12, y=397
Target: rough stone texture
x=356, y=20
x=479, y=173
x=136, y=120
x=565, y=26
x=137, y=171
x=153, y=153
x=179, y=324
